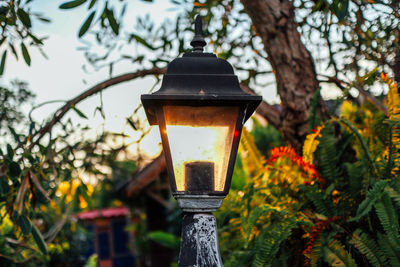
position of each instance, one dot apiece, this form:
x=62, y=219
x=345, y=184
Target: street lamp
x=200, y=110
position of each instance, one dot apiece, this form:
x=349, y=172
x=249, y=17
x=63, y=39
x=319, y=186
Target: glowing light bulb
x=192, y=144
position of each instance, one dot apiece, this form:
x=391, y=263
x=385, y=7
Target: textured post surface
x=199, y=245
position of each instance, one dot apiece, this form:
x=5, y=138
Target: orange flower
x=289, y=153
x=384, y=76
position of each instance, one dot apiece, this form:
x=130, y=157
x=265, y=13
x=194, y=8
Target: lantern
x=200, y=110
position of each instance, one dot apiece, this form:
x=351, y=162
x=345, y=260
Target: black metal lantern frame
x=199, y=90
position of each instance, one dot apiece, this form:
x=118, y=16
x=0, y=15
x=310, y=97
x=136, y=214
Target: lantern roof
x=199, y=79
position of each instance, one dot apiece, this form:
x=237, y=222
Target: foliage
x=41, y=189
x=342, y=211
x=336, y=204
x=165, y=239
x=92, y=262
x=16, y=24
x=12, y=99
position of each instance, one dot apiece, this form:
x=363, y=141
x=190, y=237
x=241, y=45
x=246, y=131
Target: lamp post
x=200, y=110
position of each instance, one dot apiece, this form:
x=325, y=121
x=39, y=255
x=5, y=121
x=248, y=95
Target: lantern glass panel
x=200, y=143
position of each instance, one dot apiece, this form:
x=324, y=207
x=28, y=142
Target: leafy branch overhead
x=16, y=20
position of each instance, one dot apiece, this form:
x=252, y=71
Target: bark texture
x=396, y=66
x=293, y=65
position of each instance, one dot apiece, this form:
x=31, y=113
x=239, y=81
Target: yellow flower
x=347, y=109
x=310, y=144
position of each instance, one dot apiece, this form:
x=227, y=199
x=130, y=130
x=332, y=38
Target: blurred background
x=82, y=174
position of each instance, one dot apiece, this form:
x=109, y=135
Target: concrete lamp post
x=200, y=110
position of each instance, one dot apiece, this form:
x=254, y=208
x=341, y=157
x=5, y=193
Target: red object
x=104, y=213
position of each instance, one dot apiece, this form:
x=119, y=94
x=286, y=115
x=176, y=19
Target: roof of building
x=104, y=213
x=142, y=178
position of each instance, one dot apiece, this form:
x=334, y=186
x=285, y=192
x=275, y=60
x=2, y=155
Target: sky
x=61, y=77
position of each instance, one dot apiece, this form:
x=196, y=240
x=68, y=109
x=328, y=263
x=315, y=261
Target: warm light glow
x=189, y=144
x=200, y=134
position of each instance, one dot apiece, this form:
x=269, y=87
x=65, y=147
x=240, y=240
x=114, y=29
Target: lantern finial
x=198, y=42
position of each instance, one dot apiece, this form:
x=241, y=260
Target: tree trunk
x=396, y=63
x=293, y=65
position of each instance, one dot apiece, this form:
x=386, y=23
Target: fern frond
x=327, y=155
x=390, y=248
x=316, y=252
x=249, y=222
x=395, y=195
x=336, y=255
x=373, y=195
x=322, y=205
x=356, y=171
x=388, y=217
x=364, y=145
x=368, y=247
x=268, y=242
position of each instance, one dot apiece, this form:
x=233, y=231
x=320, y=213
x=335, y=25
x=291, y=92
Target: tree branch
x=343, y=85
x=91, y=91
x=267, y=111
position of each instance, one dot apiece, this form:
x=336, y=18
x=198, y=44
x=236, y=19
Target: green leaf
x=46, y=20
x=388, y=217
x=25, y=53
x=10, y=151
x=368, y=247
x=4, y=187
x=390, y=248
x=131, y=123
x=14, y=169
x=3, y=62
x=80, y=113
x=314, y=119
x=72, y=4
x=341, y=8
x=13, y=50
x=92, y=4
x=24, y=17
x=165, y=239
x=35, y=39
x=250, y=221
x=142, y=41
x=113, y=23
x=336, y=255
x=373, y=195
x=110, y=70
x=269, y=241
x=14, y=133
x=364, y=145
x=37, y=236
x=75, y=200
x=85, y=26
x=25, y=224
